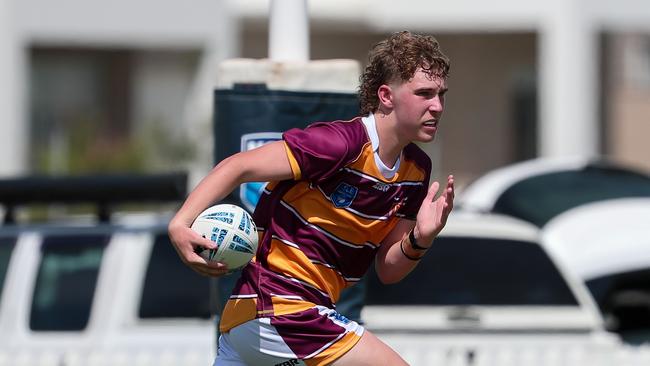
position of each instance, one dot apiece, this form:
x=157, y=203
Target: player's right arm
x=266, y=163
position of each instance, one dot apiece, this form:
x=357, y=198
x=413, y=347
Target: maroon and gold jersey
x=320, y=232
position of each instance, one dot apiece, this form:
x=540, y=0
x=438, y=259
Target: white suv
x=102, y=295
x=115, y=293
x=488, y=293
x=607, y=244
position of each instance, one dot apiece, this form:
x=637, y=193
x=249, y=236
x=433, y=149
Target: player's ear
x=385, y=95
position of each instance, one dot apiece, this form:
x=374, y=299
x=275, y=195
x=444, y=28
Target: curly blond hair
x=397, y=58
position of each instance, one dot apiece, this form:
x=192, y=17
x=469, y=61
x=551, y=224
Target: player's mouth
x=432, y=123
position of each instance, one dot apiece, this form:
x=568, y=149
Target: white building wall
x=12, y=123
x=568, y=48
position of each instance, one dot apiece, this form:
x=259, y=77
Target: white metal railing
x=104, y=358
x=530, y=355
x=447, y=355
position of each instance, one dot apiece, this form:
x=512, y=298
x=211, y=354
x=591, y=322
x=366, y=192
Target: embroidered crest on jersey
x=343, y=195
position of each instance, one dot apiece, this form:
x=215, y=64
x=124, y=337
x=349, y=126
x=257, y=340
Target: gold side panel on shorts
x=239, y=311
x=335, y=351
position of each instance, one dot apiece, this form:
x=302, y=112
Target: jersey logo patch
x=343, y=195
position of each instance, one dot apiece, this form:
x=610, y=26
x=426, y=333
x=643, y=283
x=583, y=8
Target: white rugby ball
x=234, y=232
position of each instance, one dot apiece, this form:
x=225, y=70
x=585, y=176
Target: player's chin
x=426, y=136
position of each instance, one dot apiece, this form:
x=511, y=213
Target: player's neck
x=390, y=146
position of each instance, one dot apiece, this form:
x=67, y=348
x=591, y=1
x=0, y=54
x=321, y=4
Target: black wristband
x=406, y=255
x=414, y=243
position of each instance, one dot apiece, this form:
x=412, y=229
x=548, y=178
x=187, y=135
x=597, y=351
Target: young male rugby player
x=341, y=195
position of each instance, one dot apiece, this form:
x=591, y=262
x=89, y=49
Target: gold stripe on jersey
x=295, y=168
x=312, y=207
x=240, y=311
x=293, y=263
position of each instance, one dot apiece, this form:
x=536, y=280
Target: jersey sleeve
x=319, y=150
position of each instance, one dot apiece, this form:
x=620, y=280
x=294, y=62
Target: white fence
x=105, y=358
x=415, y=354
x=530, y=355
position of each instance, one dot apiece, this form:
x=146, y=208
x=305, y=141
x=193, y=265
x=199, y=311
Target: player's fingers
x=216, y=272
x=433, y=189
x=209, y=272
x=209, y=268
x=202, y=260
x=201, y=243
x=451, y=191
x=217, y=265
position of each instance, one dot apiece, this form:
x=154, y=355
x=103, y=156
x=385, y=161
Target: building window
x=96, y=110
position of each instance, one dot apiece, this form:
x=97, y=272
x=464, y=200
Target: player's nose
x=436, y=105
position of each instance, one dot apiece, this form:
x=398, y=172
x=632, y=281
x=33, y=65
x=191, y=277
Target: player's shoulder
x=336, y=141
x=352, y=129
x=340, y=135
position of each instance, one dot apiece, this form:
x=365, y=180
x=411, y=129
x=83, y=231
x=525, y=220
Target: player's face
x=418, y=105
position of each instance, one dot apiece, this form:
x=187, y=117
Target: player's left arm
x=397, y=255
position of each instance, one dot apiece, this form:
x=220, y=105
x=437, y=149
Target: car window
x=477, y=271
x=66, y=281
x=624, y=299
x=7, y=245
x=171, y=289
x=540, y=198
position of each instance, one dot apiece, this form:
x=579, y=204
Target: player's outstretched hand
x=433, y=212
x=187, y=243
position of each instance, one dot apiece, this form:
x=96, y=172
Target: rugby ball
x=234, y=232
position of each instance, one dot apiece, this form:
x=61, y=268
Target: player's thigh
x=226, y=354
x=370, y=351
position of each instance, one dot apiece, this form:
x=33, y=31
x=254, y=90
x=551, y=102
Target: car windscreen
x=171, y=289
x=460, y=271
x=7, y=244
x=540, y=198
x=66, y=281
